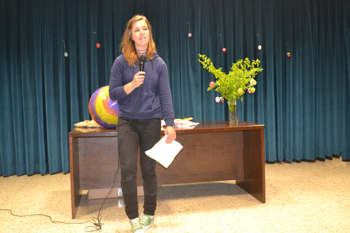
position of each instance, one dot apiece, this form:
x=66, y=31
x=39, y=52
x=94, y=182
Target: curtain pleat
x=303, y=100
x=344, y=31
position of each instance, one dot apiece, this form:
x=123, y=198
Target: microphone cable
x=44, y=215
x=97, y=220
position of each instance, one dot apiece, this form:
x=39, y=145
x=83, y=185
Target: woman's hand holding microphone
x=138, y=79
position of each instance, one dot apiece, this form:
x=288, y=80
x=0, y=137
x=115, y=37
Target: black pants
x=145, y=134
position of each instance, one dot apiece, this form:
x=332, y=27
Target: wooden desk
x=212, y=151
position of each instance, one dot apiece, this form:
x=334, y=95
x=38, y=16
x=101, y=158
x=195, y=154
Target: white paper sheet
x=164, y=153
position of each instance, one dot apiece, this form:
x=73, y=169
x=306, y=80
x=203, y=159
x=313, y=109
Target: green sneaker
x=146, y=220
x=136, y=226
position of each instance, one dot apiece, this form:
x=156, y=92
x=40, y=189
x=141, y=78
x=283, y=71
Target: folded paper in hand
x=164, y=153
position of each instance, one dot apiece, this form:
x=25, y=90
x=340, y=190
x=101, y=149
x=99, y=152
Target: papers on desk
x=164, y=153
x=185, y=124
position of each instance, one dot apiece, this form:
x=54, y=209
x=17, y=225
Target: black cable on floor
x=30, y=215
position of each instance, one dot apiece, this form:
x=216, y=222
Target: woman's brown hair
x=127, y=45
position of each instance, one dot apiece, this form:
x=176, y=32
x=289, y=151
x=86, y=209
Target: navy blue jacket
x=154, y=100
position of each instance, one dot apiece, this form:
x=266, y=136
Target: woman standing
x=144, y=98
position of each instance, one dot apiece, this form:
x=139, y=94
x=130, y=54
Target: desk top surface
x=202, y=127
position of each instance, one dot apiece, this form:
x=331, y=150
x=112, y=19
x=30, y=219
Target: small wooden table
x=212, y=151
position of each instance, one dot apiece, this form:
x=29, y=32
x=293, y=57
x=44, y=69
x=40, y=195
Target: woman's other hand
x=171, y=134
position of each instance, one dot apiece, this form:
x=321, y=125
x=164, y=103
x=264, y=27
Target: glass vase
x=232, y=111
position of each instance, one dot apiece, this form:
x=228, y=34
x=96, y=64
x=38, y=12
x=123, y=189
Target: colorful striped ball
x=102, y=109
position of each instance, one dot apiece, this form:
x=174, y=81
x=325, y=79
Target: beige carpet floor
x=301, y=197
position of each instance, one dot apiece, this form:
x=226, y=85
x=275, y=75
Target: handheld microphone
x=142, y=60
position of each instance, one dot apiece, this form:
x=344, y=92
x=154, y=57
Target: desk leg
x=74, y=174
x=254, y=164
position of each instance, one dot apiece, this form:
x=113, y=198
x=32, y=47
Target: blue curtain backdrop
x=303, y=101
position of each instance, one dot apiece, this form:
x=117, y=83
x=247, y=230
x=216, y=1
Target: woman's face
x=140, y=35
